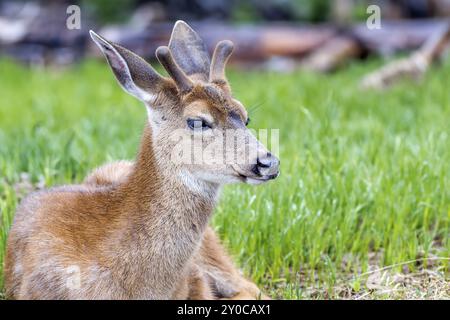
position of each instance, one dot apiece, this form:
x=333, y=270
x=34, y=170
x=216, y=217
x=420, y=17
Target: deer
x=140, y=229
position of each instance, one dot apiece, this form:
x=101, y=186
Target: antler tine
x=167, y=61
x=222, y=53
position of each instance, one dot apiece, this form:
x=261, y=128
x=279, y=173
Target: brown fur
x=138, y=230
x=211, y=274
x=215, y=274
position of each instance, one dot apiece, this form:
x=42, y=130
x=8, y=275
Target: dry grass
x=429, y=281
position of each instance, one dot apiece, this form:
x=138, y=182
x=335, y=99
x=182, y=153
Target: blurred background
x=359, y=91
x=280, y=35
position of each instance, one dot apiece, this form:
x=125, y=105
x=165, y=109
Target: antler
x=166, y=59
x=222, y=53
x=189, y=51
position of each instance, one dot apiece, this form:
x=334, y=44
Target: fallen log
x=333, y=54
x=251, y=42
x=413, y=67
x=261, y=42
x=397, y=36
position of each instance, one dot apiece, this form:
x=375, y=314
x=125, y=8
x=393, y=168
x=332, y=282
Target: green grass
x=363, y=173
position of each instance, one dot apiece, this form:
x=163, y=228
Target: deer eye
x=198, y=124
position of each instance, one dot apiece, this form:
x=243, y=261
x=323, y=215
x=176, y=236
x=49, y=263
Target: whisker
x=255, y=107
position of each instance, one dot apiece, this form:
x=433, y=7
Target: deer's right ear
x=133, y=73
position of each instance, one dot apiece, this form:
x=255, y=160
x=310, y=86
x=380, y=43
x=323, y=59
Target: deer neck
x=168, y=219
x=155, y=180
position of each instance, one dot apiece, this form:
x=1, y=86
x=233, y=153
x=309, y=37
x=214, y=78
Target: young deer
x=140, y=230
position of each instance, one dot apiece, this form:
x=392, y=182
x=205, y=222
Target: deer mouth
x=255, y=179
x=252, y=179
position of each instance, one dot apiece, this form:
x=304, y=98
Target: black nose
x=266, y=165
x=264, y=162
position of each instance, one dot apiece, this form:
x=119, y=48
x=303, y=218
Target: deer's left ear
x=133, y=73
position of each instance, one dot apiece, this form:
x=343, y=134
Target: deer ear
x=189, y=51
x=133, y=73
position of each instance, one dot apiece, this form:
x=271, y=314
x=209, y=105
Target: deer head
x=193, y=110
